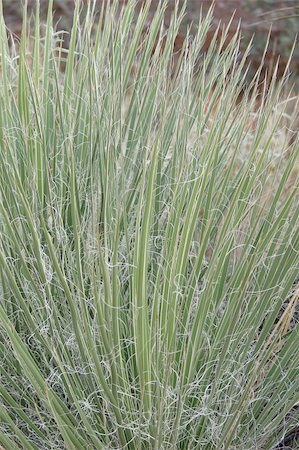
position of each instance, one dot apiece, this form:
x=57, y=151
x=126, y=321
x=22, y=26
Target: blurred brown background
x=257, y=16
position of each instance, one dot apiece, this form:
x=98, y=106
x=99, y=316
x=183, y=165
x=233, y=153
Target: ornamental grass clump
x=149, y=240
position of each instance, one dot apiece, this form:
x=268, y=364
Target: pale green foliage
x=149, y=242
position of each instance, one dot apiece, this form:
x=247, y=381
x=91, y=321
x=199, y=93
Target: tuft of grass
x=149, y=240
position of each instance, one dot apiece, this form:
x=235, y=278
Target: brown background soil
x=256, y=18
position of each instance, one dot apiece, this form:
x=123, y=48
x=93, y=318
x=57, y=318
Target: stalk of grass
x=149, y=239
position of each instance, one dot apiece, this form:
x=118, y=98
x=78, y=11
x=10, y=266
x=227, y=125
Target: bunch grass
x=149, y=239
